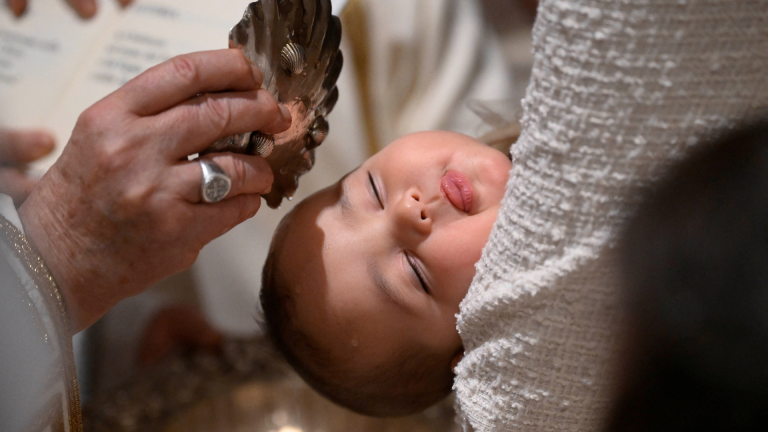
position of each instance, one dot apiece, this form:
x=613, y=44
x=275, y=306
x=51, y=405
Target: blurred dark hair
x=695, y=267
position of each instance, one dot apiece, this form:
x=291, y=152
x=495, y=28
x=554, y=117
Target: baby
x=363, y=280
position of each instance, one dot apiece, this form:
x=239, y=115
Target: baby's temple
x=481, y=215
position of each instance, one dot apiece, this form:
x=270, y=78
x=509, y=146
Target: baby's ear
x=456, y=359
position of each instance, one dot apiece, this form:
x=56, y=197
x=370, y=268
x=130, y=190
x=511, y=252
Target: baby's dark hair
x=416, y=381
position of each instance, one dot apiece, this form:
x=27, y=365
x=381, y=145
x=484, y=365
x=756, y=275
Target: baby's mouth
x=458, y=189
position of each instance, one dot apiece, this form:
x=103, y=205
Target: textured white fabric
x=618, y=91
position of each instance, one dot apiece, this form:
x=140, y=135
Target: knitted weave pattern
x=619, y=90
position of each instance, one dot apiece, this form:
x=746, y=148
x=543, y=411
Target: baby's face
x=381, y=260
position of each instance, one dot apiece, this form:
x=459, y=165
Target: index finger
x=185, y=76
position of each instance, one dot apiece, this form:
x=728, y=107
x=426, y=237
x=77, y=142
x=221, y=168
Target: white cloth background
x=428, y=58
x=619, y=90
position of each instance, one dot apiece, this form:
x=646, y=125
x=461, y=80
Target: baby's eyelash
x=375, y=189
x=418, y=272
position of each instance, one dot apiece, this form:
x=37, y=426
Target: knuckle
x=217, y=112
x=263, y=166
x=107, y=157
x=270, y=108
x=243, y=67
x=105, y=135
x=239, y=174
x=133, y=200
x=248, y=174
x=265, y=174
x=112, y=156
x=89, y=118
x=168, y=228
x=185, y=68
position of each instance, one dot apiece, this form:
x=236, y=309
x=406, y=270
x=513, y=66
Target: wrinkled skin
x=121, y=209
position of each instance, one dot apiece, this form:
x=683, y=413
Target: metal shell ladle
x=296, y=46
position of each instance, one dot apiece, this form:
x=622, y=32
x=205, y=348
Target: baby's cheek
x=456, y=255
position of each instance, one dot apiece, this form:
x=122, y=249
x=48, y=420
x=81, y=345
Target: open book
x=54, y=65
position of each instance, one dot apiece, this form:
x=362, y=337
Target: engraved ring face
x=215, y=184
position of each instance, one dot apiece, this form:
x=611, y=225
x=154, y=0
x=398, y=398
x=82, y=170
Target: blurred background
x=189, y=354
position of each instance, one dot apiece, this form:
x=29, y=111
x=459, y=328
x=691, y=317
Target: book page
x=39, y=55
x=147, y=33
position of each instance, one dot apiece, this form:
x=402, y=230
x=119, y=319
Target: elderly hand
x=85, y=8
x=17, y=148
x=121, y=208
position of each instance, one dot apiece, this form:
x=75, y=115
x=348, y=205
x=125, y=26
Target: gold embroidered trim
x=49, y=291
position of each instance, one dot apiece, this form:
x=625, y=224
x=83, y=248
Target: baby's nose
x=412, y=214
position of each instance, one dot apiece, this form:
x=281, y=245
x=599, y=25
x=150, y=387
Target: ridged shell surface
x=295, y=43
x=293, y=59
x=318, y=131
x=262, y=144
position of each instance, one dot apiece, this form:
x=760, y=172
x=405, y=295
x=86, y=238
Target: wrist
x=45, y=229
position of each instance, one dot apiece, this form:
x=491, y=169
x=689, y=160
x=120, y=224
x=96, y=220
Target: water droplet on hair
x=354, y=342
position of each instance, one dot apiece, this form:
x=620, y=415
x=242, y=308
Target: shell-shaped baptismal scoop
x=295, y=43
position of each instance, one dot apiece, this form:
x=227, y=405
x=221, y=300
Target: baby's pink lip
x=458, y=189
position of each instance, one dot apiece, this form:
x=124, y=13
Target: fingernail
x=286, y=113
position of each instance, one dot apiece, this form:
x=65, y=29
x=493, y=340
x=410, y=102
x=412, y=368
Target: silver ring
x=216, y=184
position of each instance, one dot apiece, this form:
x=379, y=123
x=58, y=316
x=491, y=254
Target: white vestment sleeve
x=38, y=384
x=619, y=90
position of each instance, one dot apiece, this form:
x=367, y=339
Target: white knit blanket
x=619, y=90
